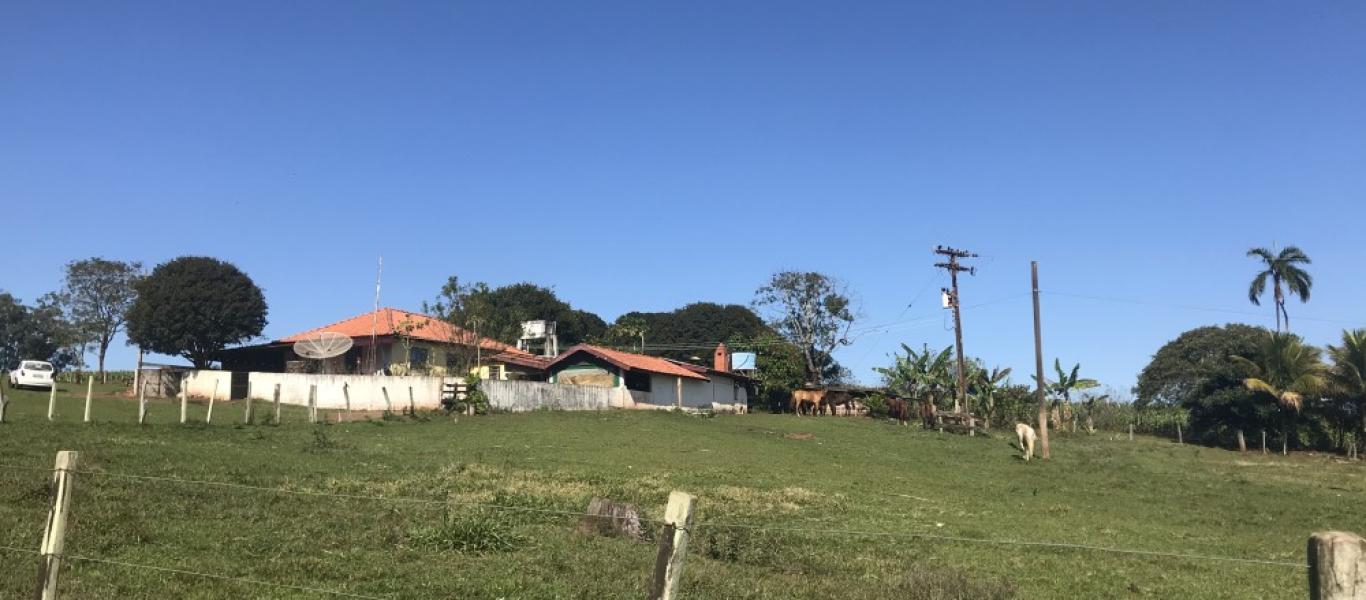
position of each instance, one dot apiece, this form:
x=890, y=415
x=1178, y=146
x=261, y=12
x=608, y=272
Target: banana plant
x=1061, y=390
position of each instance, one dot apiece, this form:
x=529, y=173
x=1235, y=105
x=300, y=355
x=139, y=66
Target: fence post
x=142, y=403
x=412, y=406
x=55, y=533
x=277, y=404
x=673, y=546
x=1131, y=432
x=246, y=410
x=313, y=403
x=346, y=391
x=89, y=392
x=208, y=417
x=1178, y=434
x=1337, y=566
x=52, y=399
x=1263, y=441
x=3, y=402
x=184, y=403
x=387, y=405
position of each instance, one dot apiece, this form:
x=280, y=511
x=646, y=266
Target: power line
x=1185, y=306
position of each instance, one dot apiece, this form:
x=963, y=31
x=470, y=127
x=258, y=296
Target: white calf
x=1025, y=434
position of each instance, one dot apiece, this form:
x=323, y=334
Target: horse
x=800, y=397
x=899, y=409
x=1025, y=435
x=928, y=412
x=834, y=400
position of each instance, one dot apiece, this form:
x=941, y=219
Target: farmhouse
x=404, y=343
x=654, y=381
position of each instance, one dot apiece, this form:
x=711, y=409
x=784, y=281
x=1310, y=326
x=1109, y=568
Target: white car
x=32, y=373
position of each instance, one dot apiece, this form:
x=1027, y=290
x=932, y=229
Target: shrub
x=474, y=532
x=877, y=406
x=939, y=583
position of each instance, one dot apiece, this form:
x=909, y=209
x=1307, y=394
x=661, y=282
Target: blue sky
x=640, y=156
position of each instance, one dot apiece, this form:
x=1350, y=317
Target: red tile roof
x=520, y=359
x=629, y=362
x=386, y=320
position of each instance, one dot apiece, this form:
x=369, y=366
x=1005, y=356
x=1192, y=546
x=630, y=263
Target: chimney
x=721, y=360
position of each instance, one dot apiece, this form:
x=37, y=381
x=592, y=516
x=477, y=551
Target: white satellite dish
x=323, y=345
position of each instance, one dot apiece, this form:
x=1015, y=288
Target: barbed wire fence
x=673, y=526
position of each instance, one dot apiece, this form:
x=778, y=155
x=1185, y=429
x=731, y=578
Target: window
x=635, y=380
x=418, y=356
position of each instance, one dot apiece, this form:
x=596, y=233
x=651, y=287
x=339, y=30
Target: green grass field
x=853, y=475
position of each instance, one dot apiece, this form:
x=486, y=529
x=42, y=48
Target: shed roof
x=390, y=321
x=628, y=361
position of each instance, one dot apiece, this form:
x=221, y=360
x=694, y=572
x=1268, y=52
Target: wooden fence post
x=1178, y=434
x=1263, y=441
x=673, y=546
x=3, y=403
x=208, y=417
x=184, y=403
x=246, y=410
x=89, y=393
x=1337, y=566
x=412, y=406
x=52, y=399
x=55, y=533
x=142, y=403
x=313, y=403
x=346, y=392
x=277, y=404
x=387, y=405
x=1131, y=432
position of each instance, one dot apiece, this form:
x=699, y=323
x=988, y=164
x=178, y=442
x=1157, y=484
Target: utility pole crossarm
x=960, y=401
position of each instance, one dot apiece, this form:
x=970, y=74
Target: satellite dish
x=323, y=345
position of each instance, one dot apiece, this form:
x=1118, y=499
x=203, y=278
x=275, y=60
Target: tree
x=986, y=385
x=780, y=369
x=194, y=307
x=632, y=327
x=810, y=309
x=1281, y=268
x=1285, y=370
x=1062, y=389
x=1347, y=378
x=34, y=333
x=923, y=375
x=1182, y=369
x=501, y=311
x=96, y=297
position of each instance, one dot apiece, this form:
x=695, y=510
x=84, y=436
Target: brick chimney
x=721, y=360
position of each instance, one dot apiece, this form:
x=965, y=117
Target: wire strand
x=953, y=538
x=221, y=577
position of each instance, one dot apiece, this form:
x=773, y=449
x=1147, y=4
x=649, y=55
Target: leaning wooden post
x=208, y=417
x=1337, y=566
x=55, y=533
x=673, y=546
x=387, y=405
x=277, y=404
x=89, y=393
x=52, y=399
x=142, y=403
x=313, y=403
x=346, y=392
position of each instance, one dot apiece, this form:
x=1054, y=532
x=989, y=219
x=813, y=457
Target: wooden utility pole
x=1038, y=361
x=960, y=402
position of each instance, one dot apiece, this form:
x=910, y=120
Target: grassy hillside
x=851, y=475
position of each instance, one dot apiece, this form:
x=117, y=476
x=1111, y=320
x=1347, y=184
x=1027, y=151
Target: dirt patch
x=796, y=435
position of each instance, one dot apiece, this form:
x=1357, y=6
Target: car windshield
x=37, y=366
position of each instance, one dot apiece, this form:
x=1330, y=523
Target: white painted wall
x=521, y=396
x=365, y=392
x=719, y=391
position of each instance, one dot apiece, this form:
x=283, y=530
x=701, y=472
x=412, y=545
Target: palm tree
x=1286, y=370
x=1281, y=268
x=1347, y=376
x=1062, y=389
x=985, y=385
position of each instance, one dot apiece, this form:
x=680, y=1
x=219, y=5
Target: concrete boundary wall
x=364, y=392
x=522, y=396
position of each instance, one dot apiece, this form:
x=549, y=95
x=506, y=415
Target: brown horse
x=928, y=414
x=816, y=398
x=899, y=409
x=833, y=400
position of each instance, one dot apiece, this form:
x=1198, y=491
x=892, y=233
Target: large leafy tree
x=1284, y=370
x=1286, y=275
x=686, y=331
x=96, y=296
x=1197, y=371
x=194, y=307
x=925, y=375
x=34, y=333
x=1347, y=378
x=501, y=311
x=812, y=310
